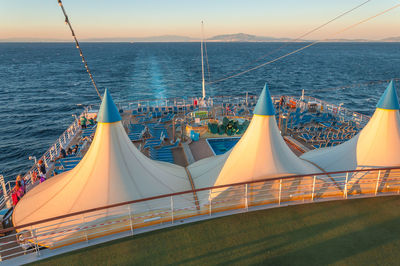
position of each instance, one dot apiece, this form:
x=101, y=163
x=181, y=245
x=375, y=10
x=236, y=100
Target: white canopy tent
x=112, y=171
x=261, y=153
x=377, y=145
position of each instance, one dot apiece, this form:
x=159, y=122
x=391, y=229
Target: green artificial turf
x=352, y=232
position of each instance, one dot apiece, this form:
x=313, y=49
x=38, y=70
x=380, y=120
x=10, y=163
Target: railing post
x=209, y=201
x=345, y=185
x=313, y=189
x=377, y=182
x=51, y=151
x=246, y=203
x=45, y=161
x=130, y=218
x=33, y=233
x=83, y=224
x=280, y=192
x=172, y=210
x=9, y=185
x=5, y=193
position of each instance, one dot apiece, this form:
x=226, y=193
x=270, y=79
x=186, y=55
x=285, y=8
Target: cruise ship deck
x=179, y=133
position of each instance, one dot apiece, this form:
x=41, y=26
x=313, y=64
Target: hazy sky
x=132, y=18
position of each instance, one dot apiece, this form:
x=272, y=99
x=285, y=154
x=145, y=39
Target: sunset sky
x=132, y=18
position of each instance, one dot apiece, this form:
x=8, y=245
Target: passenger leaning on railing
x=41, y=167
x=19, y=190
x=22, y=182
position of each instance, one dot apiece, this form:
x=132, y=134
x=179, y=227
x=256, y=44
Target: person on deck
x=34, y=177
x=83, y=121
x=22, y=182
x=282, y=102
x=75, y=149
x=41, y=167
x=61, y=155
x=14, y=197
x=42, y=178
x=17, y=193
x=146, y=133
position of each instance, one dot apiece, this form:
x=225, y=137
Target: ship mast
x=202, y=63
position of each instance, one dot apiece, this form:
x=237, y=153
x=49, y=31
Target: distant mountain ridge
x=236, y=37
x=243, y=37
x=392, y=39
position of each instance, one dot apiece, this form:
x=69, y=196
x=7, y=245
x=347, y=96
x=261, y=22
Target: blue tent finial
x=264, y=105
x=389, y=99
x=108, y=112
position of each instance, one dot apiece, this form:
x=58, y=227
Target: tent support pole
x=377, y=182
x=345, y=185
x=313, y=189
x=172, y=210
x=280, y=192
x=130, y=218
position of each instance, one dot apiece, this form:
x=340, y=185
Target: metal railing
x=340, y=111
x=161, y=211
x=183, y=101
x=54, y=150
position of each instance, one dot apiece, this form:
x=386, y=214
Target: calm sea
x=43, y=84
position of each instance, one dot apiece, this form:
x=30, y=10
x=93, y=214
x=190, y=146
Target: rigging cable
x=305, y=47
x=79, y=48
x=306, y=34
x=205, y=49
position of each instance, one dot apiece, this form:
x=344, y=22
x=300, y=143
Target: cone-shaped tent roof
x=377, y=145
x=389, y=99
x=261, y=153
x=108, y=112
x=112, y=171
x=264, y=105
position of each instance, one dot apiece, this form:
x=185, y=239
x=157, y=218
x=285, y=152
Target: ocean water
x=43, y=84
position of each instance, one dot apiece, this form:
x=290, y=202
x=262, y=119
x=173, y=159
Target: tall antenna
x=202, y=62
